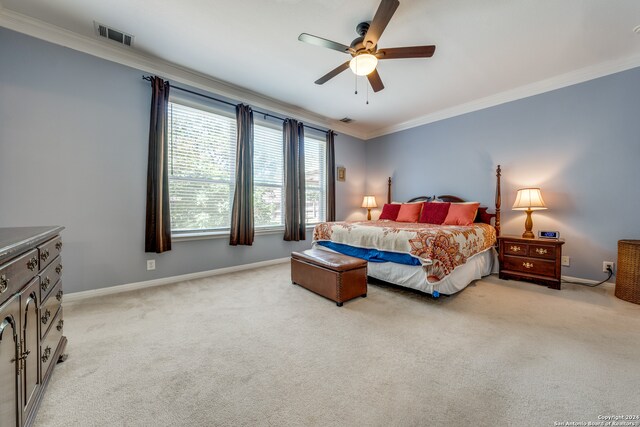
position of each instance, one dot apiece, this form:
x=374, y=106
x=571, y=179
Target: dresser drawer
x=49, y=277
x=530, y=265
x=49, y=344
x=49, y=250
x=515, y=248
x=49, y=309
x=17, y=273
x=542, y=251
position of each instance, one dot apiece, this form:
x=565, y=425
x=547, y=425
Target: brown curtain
x=294, y=180
x=158, y=225
x=242, y=231
x=331, y=177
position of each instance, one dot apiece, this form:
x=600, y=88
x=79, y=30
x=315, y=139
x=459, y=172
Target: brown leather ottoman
x=332, y=275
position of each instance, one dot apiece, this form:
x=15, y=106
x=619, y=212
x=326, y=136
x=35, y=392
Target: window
x=315, y=169
x=202, y=155
x=268, y=176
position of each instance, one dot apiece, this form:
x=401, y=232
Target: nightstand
x=534, y=260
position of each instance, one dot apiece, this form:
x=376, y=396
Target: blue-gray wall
x=73, y=152
x=580, y=144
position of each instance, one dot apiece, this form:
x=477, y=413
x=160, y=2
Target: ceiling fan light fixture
x=363, y=64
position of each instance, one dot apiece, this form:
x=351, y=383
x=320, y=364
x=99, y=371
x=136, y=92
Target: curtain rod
x=262, y=113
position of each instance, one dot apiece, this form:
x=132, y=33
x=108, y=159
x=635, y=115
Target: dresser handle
x=45, y=354
x=44, y=255
x=527, y=265
x=45, y=283
x=45, y=317
x=32, y=264
x=59, y=245
x=4, y=283
x=515, y=248
x=541, y=251
x=59, y=295
x=60, y=324
x=59, y=269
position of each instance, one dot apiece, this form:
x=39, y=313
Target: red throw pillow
x=434, y=213
x=390, y=211
x=409, y=212
x=461, y=214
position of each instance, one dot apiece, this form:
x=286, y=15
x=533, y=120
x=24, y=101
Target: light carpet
x=249, y=348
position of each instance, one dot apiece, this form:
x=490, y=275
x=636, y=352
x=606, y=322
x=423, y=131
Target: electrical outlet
x=606, y=264
x=566, y=261
x=151, y=264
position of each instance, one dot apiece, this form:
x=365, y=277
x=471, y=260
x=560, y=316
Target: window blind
x=315, y=169
x=202, y=151
x=268, y=176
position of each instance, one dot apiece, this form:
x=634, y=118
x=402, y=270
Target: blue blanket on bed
x=371, y=255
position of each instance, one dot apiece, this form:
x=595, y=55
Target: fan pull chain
x=356, y=76
x=367, y=94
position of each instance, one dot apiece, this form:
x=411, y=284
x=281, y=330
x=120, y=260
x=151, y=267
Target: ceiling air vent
x=346, y=120
x=112, y=34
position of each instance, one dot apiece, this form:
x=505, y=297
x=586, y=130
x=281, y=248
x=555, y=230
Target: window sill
x=224, y=234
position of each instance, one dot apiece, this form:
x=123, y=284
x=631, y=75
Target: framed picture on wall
x=342, y=173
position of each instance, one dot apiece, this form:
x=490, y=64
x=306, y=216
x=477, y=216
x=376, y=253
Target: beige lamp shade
x=529, y=199
x=369, y=202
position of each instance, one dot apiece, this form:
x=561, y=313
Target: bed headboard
x=456, y=199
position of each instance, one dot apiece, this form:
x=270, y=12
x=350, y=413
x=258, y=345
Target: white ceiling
x=484, y=47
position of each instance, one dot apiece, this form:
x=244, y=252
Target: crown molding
x=542, y=86
x=154, y=65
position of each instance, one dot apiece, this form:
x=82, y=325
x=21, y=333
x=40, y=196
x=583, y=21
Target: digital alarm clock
x=549, y=234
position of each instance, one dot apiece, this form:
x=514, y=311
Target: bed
x=435, y=259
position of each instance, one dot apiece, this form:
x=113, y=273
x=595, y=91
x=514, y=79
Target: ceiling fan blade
x=331, y=74
x=382, y=17
x=375, y=80
x=319, y=41
x=406, y=52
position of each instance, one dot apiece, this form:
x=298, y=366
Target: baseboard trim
x=83, y=295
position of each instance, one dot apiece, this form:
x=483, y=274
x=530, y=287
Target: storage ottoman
x=332, y=275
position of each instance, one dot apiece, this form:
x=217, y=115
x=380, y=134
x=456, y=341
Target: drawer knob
x=44, y=255
x=527, y=264
x=45, y=317
x=45, y=283
x=59, y=245
x=59, y=295
x=541, y=251
x=60, y=324
x=45, y=354
x=59, y=269
x=32, y=264
x=4, y=283
x=515, y=248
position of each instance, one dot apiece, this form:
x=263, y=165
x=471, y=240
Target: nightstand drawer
x=542, y=251
x=530, y=266
x=515, y=248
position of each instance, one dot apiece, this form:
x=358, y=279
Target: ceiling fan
x=364, y=49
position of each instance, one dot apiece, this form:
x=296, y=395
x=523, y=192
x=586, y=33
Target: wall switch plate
x=566, y=261
x=606, y=264
x=151, y=264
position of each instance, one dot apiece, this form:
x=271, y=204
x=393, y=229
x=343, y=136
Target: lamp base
x=368, y=214
x=528, y=226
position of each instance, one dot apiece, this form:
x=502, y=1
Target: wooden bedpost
x=389, y=191
x=498, y=199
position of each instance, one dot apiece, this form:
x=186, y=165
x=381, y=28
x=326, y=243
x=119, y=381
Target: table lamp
x=528, y=200
x=369, y=202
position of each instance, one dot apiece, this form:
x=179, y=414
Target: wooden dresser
x=31, y=322
x=534, y=260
